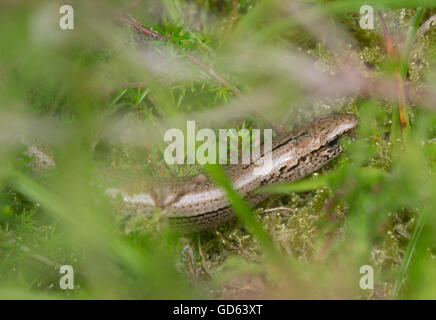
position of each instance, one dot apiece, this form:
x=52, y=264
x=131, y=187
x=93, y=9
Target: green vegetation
x=104, y=93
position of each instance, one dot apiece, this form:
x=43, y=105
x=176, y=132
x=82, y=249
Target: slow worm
x=195, y=203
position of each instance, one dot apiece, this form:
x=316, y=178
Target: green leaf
x=241, y=208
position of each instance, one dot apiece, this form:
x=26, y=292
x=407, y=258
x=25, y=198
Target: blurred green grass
x=373, y=205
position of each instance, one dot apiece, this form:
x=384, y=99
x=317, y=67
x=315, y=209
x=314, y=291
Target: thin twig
x=203, y=260
x=278, y=209
x=189, y=259
x=154, y=35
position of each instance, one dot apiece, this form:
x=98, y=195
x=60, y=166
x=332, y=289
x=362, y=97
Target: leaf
x=298, y=186
x=241, y=208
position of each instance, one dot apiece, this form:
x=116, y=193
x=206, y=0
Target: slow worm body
x=195, y=203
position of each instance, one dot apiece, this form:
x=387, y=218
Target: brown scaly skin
x=195, y=203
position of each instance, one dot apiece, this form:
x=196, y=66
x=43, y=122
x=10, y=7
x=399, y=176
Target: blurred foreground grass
x=104, y=93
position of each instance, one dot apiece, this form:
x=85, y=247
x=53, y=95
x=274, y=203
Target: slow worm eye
x=333, y=144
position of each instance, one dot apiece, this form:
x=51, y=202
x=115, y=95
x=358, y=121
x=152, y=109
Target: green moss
x=324, y=236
